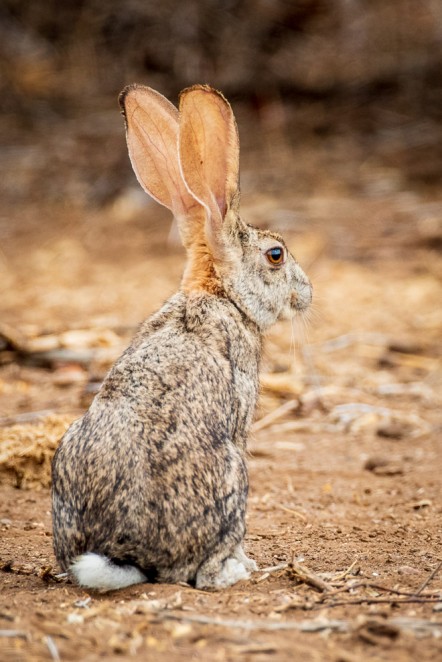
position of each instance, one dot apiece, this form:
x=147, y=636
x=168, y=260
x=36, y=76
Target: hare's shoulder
x=190, y=329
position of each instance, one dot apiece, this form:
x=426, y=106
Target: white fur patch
x=96, y=571
x=232, y=571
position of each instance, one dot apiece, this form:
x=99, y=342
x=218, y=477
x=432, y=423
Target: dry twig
x=344, y=574
x=52, y=648
x=291, y=511
x=315, y=625
x=13, y=634
x=308, y=577
x=377, y=587
x=429, y=579
x=274, y=415
x=25, y=417
x=320, y=604
x=302, y=626
x=275, y=568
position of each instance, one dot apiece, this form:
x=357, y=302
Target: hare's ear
x=209, y=154
x=152, y=140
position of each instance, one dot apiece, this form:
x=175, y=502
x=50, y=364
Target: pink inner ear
x=209, y=150
x=152, y=138
x=222, y=206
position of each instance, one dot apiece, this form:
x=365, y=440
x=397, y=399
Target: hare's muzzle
x=302, y=296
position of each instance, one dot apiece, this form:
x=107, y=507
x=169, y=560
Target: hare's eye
x=275, y=255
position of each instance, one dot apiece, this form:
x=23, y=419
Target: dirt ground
x=345, y=457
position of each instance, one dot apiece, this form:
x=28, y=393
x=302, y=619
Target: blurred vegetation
x=309, y=67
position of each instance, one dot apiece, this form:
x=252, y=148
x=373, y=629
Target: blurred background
x=339, y=107
x=343, y=75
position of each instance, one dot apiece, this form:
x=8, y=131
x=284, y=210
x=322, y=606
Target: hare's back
x=160, y=450
x=154, y=498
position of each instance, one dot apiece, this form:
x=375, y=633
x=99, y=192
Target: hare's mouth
x=302, y=297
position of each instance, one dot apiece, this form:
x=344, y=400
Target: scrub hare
x=151, y=483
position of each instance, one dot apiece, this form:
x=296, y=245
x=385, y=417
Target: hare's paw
x=221, y=575
x=241, y=556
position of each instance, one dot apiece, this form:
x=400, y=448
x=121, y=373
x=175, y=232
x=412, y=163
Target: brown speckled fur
x=154, y=474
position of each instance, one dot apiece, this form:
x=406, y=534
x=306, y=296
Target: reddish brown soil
x=333, y=485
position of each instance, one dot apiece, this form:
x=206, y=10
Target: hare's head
x=189, y=162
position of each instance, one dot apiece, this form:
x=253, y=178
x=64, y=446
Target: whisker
x=313, y=315
x=300, y=328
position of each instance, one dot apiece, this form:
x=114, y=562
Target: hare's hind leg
x=219, y=572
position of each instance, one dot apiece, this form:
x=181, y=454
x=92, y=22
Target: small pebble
x=408, y=570
x=394, y=430
x=375, y=461
x=382, y=466
x=423, y=503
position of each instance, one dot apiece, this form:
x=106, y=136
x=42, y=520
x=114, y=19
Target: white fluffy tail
x=96, y=571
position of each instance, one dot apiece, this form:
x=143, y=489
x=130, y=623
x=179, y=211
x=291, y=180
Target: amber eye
x=275, y=255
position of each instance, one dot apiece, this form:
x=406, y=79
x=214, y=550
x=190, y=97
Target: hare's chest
x=245, y=395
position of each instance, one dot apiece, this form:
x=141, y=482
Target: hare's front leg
x=219, y=572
